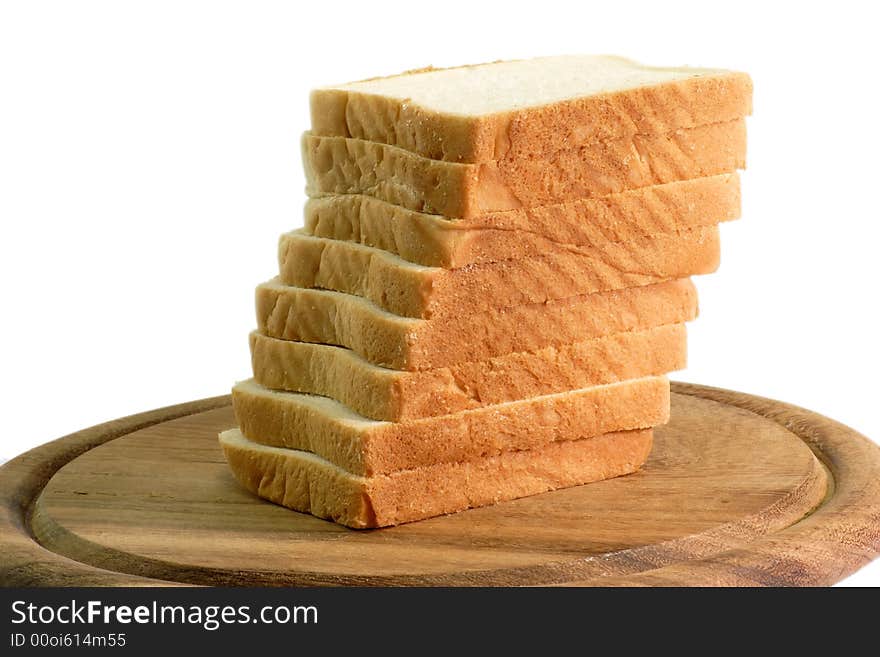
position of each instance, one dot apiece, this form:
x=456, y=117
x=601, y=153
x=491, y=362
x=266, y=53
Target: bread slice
x=401, y=343
x=367, y=447
x=411, y=290
x=337, y=165
x=435, y=241
x=527, y=108
x=305, y=482
x=383, y=394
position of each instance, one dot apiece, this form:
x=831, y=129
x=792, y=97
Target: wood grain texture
x=738, y=491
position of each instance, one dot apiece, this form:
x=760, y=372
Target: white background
x=149, y=160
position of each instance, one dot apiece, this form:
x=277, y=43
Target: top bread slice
x=527, y=108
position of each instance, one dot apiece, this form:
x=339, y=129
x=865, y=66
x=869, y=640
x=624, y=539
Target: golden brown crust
x=367, y=448
x=336, y=165
x=436, y=241
x=293, y=313
x=303, y=482
x=535, y=131
x=431, y=292
x=383, y=394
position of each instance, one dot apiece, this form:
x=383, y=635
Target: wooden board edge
x=24, y=561
x=834, y=541
x=789, y=509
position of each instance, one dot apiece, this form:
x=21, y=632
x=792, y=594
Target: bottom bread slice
x=305, y=482
x=369, y=447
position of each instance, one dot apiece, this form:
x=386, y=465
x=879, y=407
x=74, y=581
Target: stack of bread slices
x=492, y=282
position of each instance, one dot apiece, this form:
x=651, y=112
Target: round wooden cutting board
x=739, y=490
